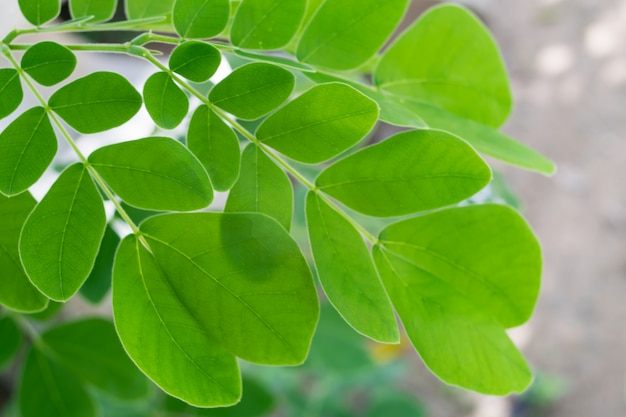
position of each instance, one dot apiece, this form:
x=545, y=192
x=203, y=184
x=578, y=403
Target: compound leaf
x=27, y=146
x=321, y=123
x=48, y=62
x=197, y=61
x=61, y=237
x=97, y=102
x=253, y=90
x=166, y=103
x=99, y=281
x=216, y=146
x=11, y=93
x=406, y=173
x=39, y=12
x=154, y=173
x=262, y=187
x=101, y=10
x=11, y=341
x=346, y=271
x=140, y=9
x=266, y=24
x=200, y=18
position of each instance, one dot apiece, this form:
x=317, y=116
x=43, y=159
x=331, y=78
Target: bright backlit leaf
x=200, y=18
x=99, y=281
x=101, y=10
x=11, y=341
x=39, y=12
x=48, y=62
x=197, y=61
x=166, y=103
x=11, y=93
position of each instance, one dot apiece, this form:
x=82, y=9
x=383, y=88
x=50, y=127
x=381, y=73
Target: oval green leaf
x=11, y=341
x=321, y=123
x=200, y=18
x=97, y=102
x=166, y=103
x=48, y=62
x=253, y=90
x=409, y=172
x=154, y=173
x=61, y=237
x=11, y=93
x=101, y=10
x=39, y=12
x=99, y=281
x=141, y=9
x=197, y=61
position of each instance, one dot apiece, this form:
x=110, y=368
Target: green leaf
x=155, y=173
x=344, y=34
x=409, y=172
x=216, y=146
x=165, y=101
x=48, y=62
x=194, y=60
x=321, y=123
x=162, y=335
x=262, y=187
x=16, y=291
x=253, y=90
x=200, y=18
x=48, y=313
x=97, y=102
x=61, y=236
x=139, y=9
x=11, y=93
x=346, y=271
x=11, y=341
x=39, y=12
x=460, y=68
x=101, y=10
x=49, y=390
x=278, y=60
x=28, y=146
x=388, y=402
x=92, y=350
x=99, y=281
x=266, y=24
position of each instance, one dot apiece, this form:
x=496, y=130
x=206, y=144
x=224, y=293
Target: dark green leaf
x=165, y=101
x=266, y=24
x=101, y=10
x=216, y=146
x=97, y=102
x=48, y=62
x=253, y=90
x=321, y=123
x=194, y=60
x=346, y=271
x=262, y=187
x=39, y=12
x=10, y=341
x=61, y=237
x=99, y=281
x=406, y=173
x=49, y=312
x=200, y=18
x=139, y=9
x=27, y=146
x=344, y=34
x=11, y=94
x=155, y=173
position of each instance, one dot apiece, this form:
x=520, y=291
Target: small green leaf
x=253, y=90
x=11, y=341
x=165, y=101
x=101, y=10
x=409, y=172
x=200, y=18
x=460, y=68
x=11, y=93
x=344, y=34
x=16, y=291
x=49, y=390
x=39, y=12
x=321, y=123
x=155, y=173
x=216, y=146
x=92, y=350
x=194, y=60
x=140, y=9
x=48, y=62
x=99, y=281
x=262, y=187
x=61, y=237
x=97, y=102
x=27, y=146
x=162, y=335
x=266, y=24
x=346, y=271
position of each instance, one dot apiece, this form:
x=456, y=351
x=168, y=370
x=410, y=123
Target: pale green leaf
x=39, y=12
x=164, y=337
x=11, y=93
x=101, y=10
x=409, y=172
x=253, y=90
x=262, y=187
x=155, y=173
x=10, y=341
x=216, y=146
x=27, y=146
x=200, y=18
x=255, y=272
x=448, y=59
x=166, y=103
x=344, y=34
x=266, y=24
x=48, y=63
x=99, y=281
x=346, y=272
x=321, y=123
x=197, y=61
x=16, y=291
x=97, y=102
x=61, y=237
